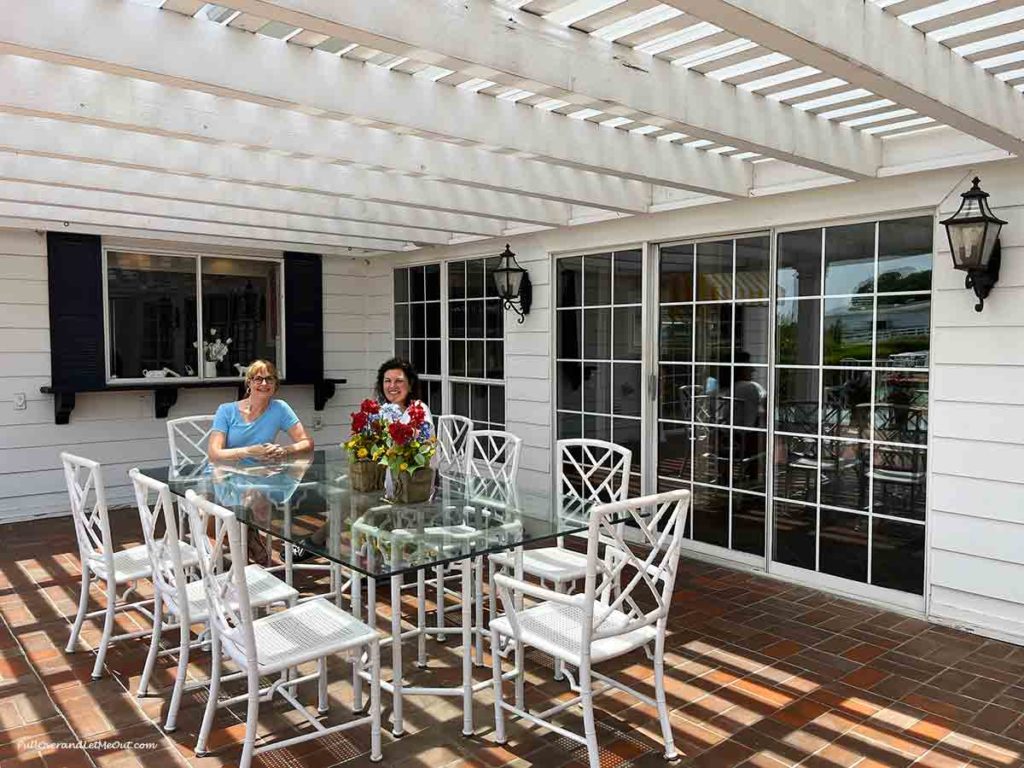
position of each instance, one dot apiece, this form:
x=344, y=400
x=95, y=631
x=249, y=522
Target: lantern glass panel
x=966, y=240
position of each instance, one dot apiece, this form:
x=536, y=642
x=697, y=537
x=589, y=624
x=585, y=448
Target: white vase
x=210, y=369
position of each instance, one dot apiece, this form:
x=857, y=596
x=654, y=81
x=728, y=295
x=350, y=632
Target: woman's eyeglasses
x=264, y=379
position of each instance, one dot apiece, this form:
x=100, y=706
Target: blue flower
x=391, y=412
x=425, y=431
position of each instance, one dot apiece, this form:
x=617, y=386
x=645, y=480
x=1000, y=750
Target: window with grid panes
x=476, y=346
x=851, y=400
x=418, y=326
x=598, y=347
x=713, y=383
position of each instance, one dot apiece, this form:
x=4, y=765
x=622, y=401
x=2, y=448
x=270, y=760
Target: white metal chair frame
x=603, y=622
x=175, y=581
x=590, y=471
x=313, y=630
x=88, y=496
x=187, y=438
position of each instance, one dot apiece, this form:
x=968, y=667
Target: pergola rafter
x=133, y=41
x=523, y=51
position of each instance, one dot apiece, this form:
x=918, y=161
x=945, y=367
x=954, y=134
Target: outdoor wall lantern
x=973, y=233
x=513, y=283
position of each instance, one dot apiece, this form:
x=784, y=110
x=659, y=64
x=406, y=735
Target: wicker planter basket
x=366, y=476
x=414, y=488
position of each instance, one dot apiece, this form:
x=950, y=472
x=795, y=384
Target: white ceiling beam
x=115, y=202
x=161, y=186
x=872, y=49
x=171, y=240
x=112, y=147
x=84, y=95
x=129, y=39
x=524, y=51
x=168, y=226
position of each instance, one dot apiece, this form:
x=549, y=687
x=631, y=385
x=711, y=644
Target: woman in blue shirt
x=249, y=427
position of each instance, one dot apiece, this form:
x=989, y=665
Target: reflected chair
x=275, y=644
x=88, y=496
x=174, y=562
x=624, y=606
x=588, y=471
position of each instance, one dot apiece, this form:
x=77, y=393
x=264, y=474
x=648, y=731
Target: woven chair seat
x=133, y=563
x=264, y=589
x=307, y=631
x=549, y=563
x=557, y=629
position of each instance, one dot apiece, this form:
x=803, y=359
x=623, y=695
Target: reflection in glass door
x=851, y=401
x=713, y=323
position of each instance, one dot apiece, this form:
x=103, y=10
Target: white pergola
x=352, y=127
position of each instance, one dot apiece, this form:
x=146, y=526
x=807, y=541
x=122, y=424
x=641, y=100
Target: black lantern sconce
x=973, y=233
x=513, y=283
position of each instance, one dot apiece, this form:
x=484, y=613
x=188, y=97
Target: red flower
x=400, y=433
x=359, y=421
x=416, y=415
x=370, y=406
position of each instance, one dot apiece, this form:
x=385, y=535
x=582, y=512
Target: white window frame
x=198, y=257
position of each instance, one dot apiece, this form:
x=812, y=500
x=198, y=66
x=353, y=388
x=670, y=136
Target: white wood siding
x=977, y=425
x=110, y=426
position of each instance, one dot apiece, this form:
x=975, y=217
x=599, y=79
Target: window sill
x=165, y=393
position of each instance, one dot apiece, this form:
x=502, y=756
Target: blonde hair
x=264, y=366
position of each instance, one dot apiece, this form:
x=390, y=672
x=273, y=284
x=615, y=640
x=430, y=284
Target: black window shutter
x=75, y=277
x=303, y=318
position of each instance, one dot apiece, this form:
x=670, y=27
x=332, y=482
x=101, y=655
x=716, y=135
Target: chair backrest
x=88, y=497
x=187, y=438
x=161, y=533
x=592, y=470
x=623, y=582
x=453, y=434
x=227, y=597
x=493, y=454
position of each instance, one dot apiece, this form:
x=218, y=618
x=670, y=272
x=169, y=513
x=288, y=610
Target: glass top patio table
x=466, y=516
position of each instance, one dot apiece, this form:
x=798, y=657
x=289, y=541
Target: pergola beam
x=115, y=202
x=523, y=51
x=171, y=187
x=168, y=48
x=170, y=226
x=116, y=148
x=82, y=95
x=871, y=49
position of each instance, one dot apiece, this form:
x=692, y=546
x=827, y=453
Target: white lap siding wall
x=975, y=572
x=118, y=428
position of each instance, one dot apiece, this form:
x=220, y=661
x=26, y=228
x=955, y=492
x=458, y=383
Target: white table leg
x=467, y=646
x=396, y=653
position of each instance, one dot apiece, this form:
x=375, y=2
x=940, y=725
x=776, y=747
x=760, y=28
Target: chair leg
x=480, y=611
x=499, y=711
x=520, y=660
x=559, y=672
x=185, y=638
x=589, y=727
x=492, y=592
x=321, y=668
x=211, y=703
x=154, y=645
x=252, y=718
x=659, y=697
x=375, y=754
x=108, y=629
x=439, y=586
x=421, y=618
x=83, y=605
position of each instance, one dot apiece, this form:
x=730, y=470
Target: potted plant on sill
x=365, y=447
x=409, y=452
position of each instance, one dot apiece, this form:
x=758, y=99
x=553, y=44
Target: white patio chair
x=624, y=606
x=493, y=454
x=274, y=644
x=88, y=496
x=187, y=438
x=178, y=587
x=588, y=471
x=453, y=435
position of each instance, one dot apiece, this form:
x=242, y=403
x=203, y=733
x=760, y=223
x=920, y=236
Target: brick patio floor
x=760, y=673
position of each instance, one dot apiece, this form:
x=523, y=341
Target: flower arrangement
x=369, y=433
x=215, y=349
x=411, y=444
